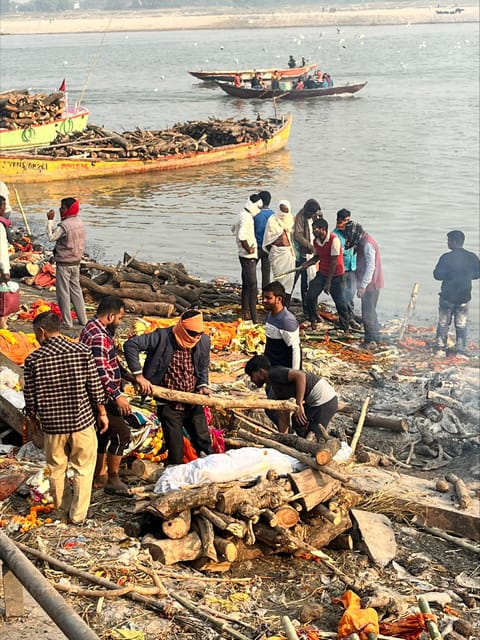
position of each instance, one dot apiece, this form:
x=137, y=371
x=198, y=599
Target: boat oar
x=19, y=202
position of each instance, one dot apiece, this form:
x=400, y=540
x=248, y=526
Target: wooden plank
x=314, y=487
x=418, y=496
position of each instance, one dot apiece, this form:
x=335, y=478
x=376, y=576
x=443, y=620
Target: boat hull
x=289, y=94
x=29, y=168
x=247, y=74
x=41, y=135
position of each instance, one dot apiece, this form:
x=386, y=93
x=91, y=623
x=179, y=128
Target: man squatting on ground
x=98, y=334
x=64, y=398
x=316, y=399
x=456, y=269
x=178, y=358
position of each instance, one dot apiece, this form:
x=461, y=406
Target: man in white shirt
x=244, y=231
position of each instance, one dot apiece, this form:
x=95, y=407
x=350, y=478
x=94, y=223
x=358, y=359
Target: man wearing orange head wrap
x=177, y=358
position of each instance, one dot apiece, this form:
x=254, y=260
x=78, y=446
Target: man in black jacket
x=177, y=358
x=456, y=270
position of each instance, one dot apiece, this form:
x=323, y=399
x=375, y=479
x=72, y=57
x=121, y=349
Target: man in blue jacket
x=177, y=358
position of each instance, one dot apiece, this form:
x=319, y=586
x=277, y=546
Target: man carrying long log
x=316, y=399
x=178, y=358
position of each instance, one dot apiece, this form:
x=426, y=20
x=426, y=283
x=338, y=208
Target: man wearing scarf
x=177, y=358
x=69, y=238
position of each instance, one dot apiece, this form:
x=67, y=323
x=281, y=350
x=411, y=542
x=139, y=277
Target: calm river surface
x=403, y=156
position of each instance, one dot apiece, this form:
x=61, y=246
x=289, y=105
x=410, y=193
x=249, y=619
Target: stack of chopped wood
x=223, y=523
x=19, y=109
x=98, y=142
x=152, y=289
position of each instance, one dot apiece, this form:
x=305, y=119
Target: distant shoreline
x=190, y=20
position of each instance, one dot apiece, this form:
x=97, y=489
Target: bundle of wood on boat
x=20, y=108
x=158, y=289
x=190, y=137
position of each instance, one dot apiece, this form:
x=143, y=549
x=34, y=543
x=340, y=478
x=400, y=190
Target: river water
x=403, y=155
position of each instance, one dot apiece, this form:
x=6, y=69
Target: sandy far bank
x=163, y=21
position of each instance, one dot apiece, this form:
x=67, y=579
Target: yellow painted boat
x=30, y=168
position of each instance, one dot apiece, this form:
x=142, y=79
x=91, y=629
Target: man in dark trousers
x=178, y=358
x=259, y=223
x=369, y=279
x=330, y=276
x=456, y=269
x=316, y=399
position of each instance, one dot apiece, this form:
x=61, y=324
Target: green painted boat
x=39, y=135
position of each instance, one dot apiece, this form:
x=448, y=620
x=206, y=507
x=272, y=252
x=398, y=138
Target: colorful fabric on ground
x=355, y=619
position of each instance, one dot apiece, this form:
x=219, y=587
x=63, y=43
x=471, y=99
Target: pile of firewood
x=234, y=521
x=190, y=137
x=19, y=109
x=152, y=289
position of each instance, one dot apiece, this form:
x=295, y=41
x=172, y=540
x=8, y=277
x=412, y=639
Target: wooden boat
x=38, y=135
x=288, y=93
x=30, y=168
x=247, y=74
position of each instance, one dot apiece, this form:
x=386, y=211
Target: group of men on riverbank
x=341, y=263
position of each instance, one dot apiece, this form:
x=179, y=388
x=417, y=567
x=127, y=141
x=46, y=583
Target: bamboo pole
x=361, y=421
x=410, y=308
x=431, y=624
x=60, y=612
x=19, y=202
x=289, y=629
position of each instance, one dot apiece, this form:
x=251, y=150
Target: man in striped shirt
x=63, y=395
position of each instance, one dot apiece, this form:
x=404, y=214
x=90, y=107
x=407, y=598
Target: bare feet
x=100, y=482
x=115, y=486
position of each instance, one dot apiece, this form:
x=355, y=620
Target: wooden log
x=287, y=516
x=172, y=551
x=303, y=457
x=174, y=502
x=221, y=401
x=270, y=517
x=226, y=549
x=132, y=293
x=464, y=499
x=177, y=526
x=361, y=422
x=147, y=470
x=343, y=542
x=275, y=537
x=322, y=451
x=248, y=502
x=321, y=532
x=224, y=522
x=333, y=515
x=141, y=308
x=205, y=530
x=22, y=269
x=247, y=552
x=400, y=425
x=373, y=459
x=313, y=487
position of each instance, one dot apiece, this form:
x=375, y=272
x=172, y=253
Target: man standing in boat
x=69, y=238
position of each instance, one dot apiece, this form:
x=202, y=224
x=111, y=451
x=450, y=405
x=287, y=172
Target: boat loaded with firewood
x=33, y=120
x=98, y=153
x=247, y=74
x=289, y=93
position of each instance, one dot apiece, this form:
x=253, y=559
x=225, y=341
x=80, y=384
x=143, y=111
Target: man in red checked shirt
x=98, y=334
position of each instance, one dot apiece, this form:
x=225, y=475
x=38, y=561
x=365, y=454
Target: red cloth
x=46, y=276
x=71, y=211
x=63, y=86
x=325, y=253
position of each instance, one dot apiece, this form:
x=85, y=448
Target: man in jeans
x=456, y=269
x=69, y=238
x=64, y=398
x=330, y=276
x=350, y=264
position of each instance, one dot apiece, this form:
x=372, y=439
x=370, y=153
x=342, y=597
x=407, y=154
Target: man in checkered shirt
x=63, y=398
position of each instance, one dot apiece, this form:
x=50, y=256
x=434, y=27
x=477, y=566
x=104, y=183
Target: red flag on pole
x=63, y=86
